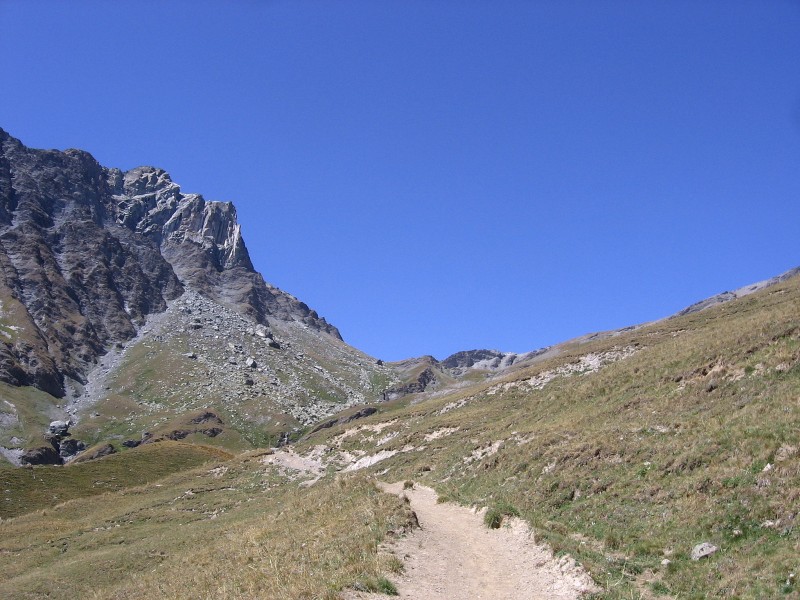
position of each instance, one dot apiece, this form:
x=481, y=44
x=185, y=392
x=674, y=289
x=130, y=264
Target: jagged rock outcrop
x=87, y=253
x=42, y=455
x=203, y=243
x=96, y=452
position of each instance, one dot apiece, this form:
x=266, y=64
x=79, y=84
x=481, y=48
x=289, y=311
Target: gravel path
x=454, y=555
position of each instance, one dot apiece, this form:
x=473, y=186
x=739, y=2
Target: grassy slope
x=31, y=489
x=33, y=410
x=228, y=530
x=623, y=467
x=154, y=389
x=642, y=460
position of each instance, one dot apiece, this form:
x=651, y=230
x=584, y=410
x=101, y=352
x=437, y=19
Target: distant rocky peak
x=469, y=358
x=482, y=360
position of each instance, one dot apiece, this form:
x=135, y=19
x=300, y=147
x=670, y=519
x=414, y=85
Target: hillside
x=625, y=452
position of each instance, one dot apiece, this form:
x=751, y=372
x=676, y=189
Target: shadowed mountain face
x=87, y=253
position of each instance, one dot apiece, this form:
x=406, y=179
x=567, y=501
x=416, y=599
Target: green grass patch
x=495, y=514
x=29, y=489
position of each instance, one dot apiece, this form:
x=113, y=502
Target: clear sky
x=436, y=176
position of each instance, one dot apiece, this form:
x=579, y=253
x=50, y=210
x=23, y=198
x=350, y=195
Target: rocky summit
x=87, y=253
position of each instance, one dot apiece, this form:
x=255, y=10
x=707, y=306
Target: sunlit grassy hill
x=625, y=452
x=629, y=451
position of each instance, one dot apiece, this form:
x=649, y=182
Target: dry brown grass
x=229, y=530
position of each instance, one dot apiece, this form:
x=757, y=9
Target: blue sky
x=438, y=176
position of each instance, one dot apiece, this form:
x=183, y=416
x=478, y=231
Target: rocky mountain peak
x=88, y=252
x=147, y=201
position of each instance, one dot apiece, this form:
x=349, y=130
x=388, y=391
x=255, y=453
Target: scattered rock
x=703, y=550
x=770, y=524
x=712, y=385
x=131, y=443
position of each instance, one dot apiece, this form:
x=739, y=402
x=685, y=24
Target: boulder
x=43, y=455
x=71, y=447
x=703, y=550
x=263, y=332
x=59, y=427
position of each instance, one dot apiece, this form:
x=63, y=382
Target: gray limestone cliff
x=87, y=253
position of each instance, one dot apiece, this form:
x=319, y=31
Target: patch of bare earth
x=454, y=555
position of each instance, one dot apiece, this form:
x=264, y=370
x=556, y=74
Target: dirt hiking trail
x=454, y=556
